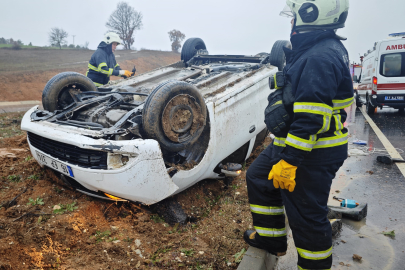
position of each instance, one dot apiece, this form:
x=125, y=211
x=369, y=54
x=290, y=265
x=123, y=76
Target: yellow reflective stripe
x=341, y=104
x=279, y=141
x=104, y=64
x=338, y=122
x=326, y=124
x=277, y=103
x=327, y=142
x=275, y=83
x=116, y=65
x=311, y=107
x=92, y=67
x=300, y=143
x=267, y=210
x=314, y=255
x=300, y=268
x=271, y=232
x=97, y=84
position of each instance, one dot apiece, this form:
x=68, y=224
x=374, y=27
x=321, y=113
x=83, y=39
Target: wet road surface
x=363, y=179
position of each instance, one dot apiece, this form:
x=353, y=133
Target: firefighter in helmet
x=103, y=64
x=293, y=176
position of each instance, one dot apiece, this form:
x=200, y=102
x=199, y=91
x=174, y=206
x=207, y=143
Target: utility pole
x=73, y=39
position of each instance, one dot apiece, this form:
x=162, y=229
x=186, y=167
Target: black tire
x=161, y=110
x=401, y=110
x=190, y=48
x=277, y=55
x=55, y=95
x=370, y=108
x=359, y=104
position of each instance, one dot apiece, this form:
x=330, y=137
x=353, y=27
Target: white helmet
x=317, y=14
x=111, y=37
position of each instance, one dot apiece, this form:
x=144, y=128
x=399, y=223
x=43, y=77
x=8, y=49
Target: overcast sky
x=226, y=26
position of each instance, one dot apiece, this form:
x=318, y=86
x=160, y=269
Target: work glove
x=276, y=116
x=126, y=73
x=283, y=175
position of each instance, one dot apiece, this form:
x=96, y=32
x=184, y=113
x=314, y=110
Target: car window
x=392, y=65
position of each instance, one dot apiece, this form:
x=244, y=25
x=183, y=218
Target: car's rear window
x=393, y=65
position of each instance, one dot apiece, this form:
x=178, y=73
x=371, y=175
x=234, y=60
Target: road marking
x=387, y=144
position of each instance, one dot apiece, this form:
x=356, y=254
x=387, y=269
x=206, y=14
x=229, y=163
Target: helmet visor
x=287, y=12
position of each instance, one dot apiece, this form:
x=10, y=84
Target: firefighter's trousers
x=306, y=209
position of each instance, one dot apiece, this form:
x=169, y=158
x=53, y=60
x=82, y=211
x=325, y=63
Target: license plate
x=394, y=98
x=54, y=164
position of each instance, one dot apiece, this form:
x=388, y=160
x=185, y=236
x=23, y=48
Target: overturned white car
x=151, y=136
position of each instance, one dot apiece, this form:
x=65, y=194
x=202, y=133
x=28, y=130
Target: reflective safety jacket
x=318, y=69
x=102, y=65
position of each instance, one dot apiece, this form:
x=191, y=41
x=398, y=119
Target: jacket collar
x=303, y=41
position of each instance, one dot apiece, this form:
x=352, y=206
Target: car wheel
x=277, y=55
x=370, y=108
x=359, y=104
x=191, y=47
x=56, y=96
x=175, y=115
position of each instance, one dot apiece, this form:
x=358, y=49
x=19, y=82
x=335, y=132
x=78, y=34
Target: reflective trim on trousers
x=299, y=143
x=271, y=232
x=267, y=210
x=279, y=141
x=331, y=141
x=97, y=84
x=341, y=104
x=314, y=255
x=314, y=108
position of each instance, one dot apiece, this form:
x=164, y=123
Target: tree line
x=124, y=21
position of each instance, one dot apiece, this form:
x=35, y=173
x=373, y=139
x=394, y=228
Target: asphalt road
x=363, y=179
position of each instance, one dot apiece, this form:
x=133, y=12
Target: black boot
x=250, y=238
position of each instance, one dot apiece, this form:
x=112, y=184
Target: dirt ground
x=44, y=225
x=24, y=73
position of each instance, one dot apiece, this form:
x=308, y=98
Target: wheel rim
x=181, y=118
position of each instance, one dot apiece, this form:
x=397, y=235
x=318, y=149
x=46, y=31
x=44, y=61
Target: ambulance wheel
x=401, y=110
x=277, y=55
x=370, y=108
x=56, y=96
x=359, y=104
x=175, y=115
x=191, y=47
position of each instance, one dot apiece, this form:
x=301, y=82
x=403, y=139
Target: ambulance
x=383, y=74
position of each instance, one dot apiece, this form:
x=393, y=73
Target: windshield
x=393, y=65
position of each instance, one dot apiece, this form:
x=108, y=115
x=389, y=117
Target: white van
x=383, y=74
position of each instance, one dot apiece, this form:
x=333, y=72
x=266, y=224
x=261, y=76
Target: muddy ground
x=44, y=225
x=24, y=73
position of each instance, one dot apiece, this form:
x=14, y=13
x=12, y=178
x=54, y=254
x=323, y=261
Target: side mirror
x=355, y=79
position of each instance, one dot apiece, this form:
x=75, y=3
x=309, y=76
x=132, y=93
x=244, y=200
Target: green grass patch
x=65, y=208
x=14, y=178
x=37, y=201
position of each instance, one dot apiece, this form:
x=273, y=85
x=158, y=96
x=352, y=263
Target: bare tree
x=86, y=45
x=176, y=37
x=124, y=21
x=57, y=37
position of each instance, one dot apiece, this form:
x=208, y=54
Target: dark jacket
x=318, y=69
x=102, y=65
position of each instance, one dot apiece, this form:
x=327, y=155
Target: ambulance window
x=391, y=65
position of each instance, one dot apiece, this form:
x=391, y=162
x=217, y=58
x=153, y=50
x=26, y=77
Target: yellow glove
x=128, y=73
x=283, y=175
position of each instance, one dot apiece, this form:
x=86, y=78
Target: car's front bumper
x=143, y=178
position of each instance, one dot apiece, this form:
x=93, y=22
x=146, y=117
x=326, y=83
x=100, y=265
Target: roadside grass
x=65, y=208
x=10, y=124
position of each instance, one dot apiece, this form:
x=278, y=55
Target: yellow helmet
x=111, y=37
x=317, y=14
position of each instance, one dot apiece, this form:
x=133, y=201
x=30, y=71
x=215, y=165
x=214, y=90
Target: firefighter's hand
x=127, y=73
x=283, y=175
